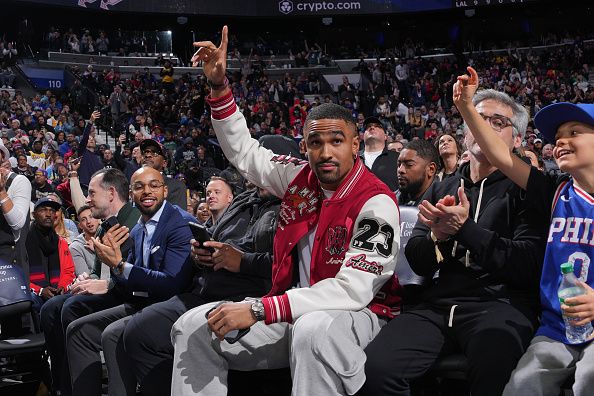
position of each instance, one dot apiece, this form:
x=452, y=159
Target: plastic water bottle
x=570, y=287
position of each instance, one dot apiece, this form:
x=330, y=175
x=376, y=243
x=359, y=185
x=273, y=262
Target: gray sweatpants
x=324, y=350
x=547, y=364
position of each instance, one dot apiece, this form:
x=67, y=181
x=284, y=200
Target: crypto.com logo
x=285, y=6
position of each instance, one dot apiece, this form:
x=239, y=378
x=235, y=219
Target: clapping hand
x=108, y=248
x=445, y=217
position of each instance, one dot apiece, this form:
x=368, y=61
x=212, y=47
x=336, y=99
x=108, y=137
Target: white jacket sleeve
x=252, y=161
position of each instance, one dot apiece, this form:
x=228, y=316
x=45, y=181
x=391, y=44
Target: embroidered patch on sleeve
x=360, y=262
x=370, y=236
x=287, y=159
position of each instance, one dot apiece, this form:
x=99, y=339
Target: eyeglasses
x=152, y=153
x=153, y=186
x=497, y=121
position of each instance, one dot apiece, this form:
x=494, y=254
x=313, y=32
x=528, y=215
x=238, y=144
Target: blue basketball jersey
x=571, y=239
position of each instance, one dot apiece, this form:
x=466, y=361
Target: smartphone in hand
x=201, y=235
x=108, y=223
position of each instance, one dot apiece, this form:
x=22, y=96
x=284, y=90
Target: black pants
x=147, y=342
x=86, y=338
x=56, y=315
x=492, y=335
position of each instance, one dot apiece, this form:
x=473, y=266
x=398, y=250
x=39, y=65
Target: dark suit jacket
x=385, y=168
x=170, y=269
x=176, y=192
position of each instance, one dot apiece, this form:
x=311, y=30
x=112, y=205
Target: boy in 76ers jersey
x=569, y=203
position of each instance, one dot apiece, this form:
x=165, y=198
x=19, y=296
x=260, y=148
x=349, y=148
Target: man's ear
x=518, y=141
x=302, y=147
x=356, y=141
x=356, y=145
x=113, y=193
x=431, y=169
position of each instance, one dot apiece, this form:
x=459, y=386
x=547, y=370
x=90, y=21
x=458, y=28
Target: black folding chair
x=22, y=350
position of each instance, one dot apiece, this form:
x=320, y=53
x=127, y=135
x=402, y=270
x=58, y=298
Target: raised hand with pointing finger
x=214, y=61
x=465, y=88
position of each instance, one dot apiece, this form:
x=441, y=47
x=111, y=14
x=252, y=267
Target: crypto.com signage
x=268, y=8
x=256, y=8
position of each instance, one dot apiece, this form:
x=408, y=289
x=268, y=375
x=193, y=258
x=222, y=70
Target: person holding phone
x=335, y=247
x=156, y=268
x=236, y=264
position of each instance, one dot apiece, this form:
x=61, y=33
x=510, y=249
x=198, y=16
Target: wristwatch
x=119, y=269
x=257, y=309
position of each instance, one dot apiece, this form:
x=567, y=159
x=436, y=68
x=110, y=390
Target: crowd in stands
x=8, y=58
x=101, y=41
x=295, y=47
x=410, y=96
x=413, y=97
x=49, y=137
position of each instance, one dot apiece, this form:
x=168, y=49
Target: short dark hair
x=424, y=149
x=115, y=178
x=82, y=209
x=331, y=111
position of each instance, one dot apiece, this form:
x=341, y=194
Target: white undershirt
x=304, y=249
x=370, y=157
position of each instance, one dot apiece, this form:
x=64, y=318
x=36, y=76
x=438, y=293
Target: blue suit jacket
x=170, y=268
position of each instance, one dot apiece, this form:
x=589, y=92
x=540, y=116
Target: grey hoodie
x=84, y=258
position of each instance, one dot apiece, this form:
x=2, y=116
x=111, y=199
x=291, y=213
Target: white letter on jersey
x=573, y=229
x=557, y=225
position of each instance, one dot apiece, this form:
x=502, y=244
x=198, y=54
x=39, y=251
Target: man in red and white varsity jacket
x=335, y=247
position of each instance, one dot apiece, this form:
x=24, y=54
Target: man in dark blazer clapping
x=157, y=268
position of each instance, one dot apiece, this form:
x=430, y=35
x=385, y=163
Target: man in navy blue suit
x=158, y=268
